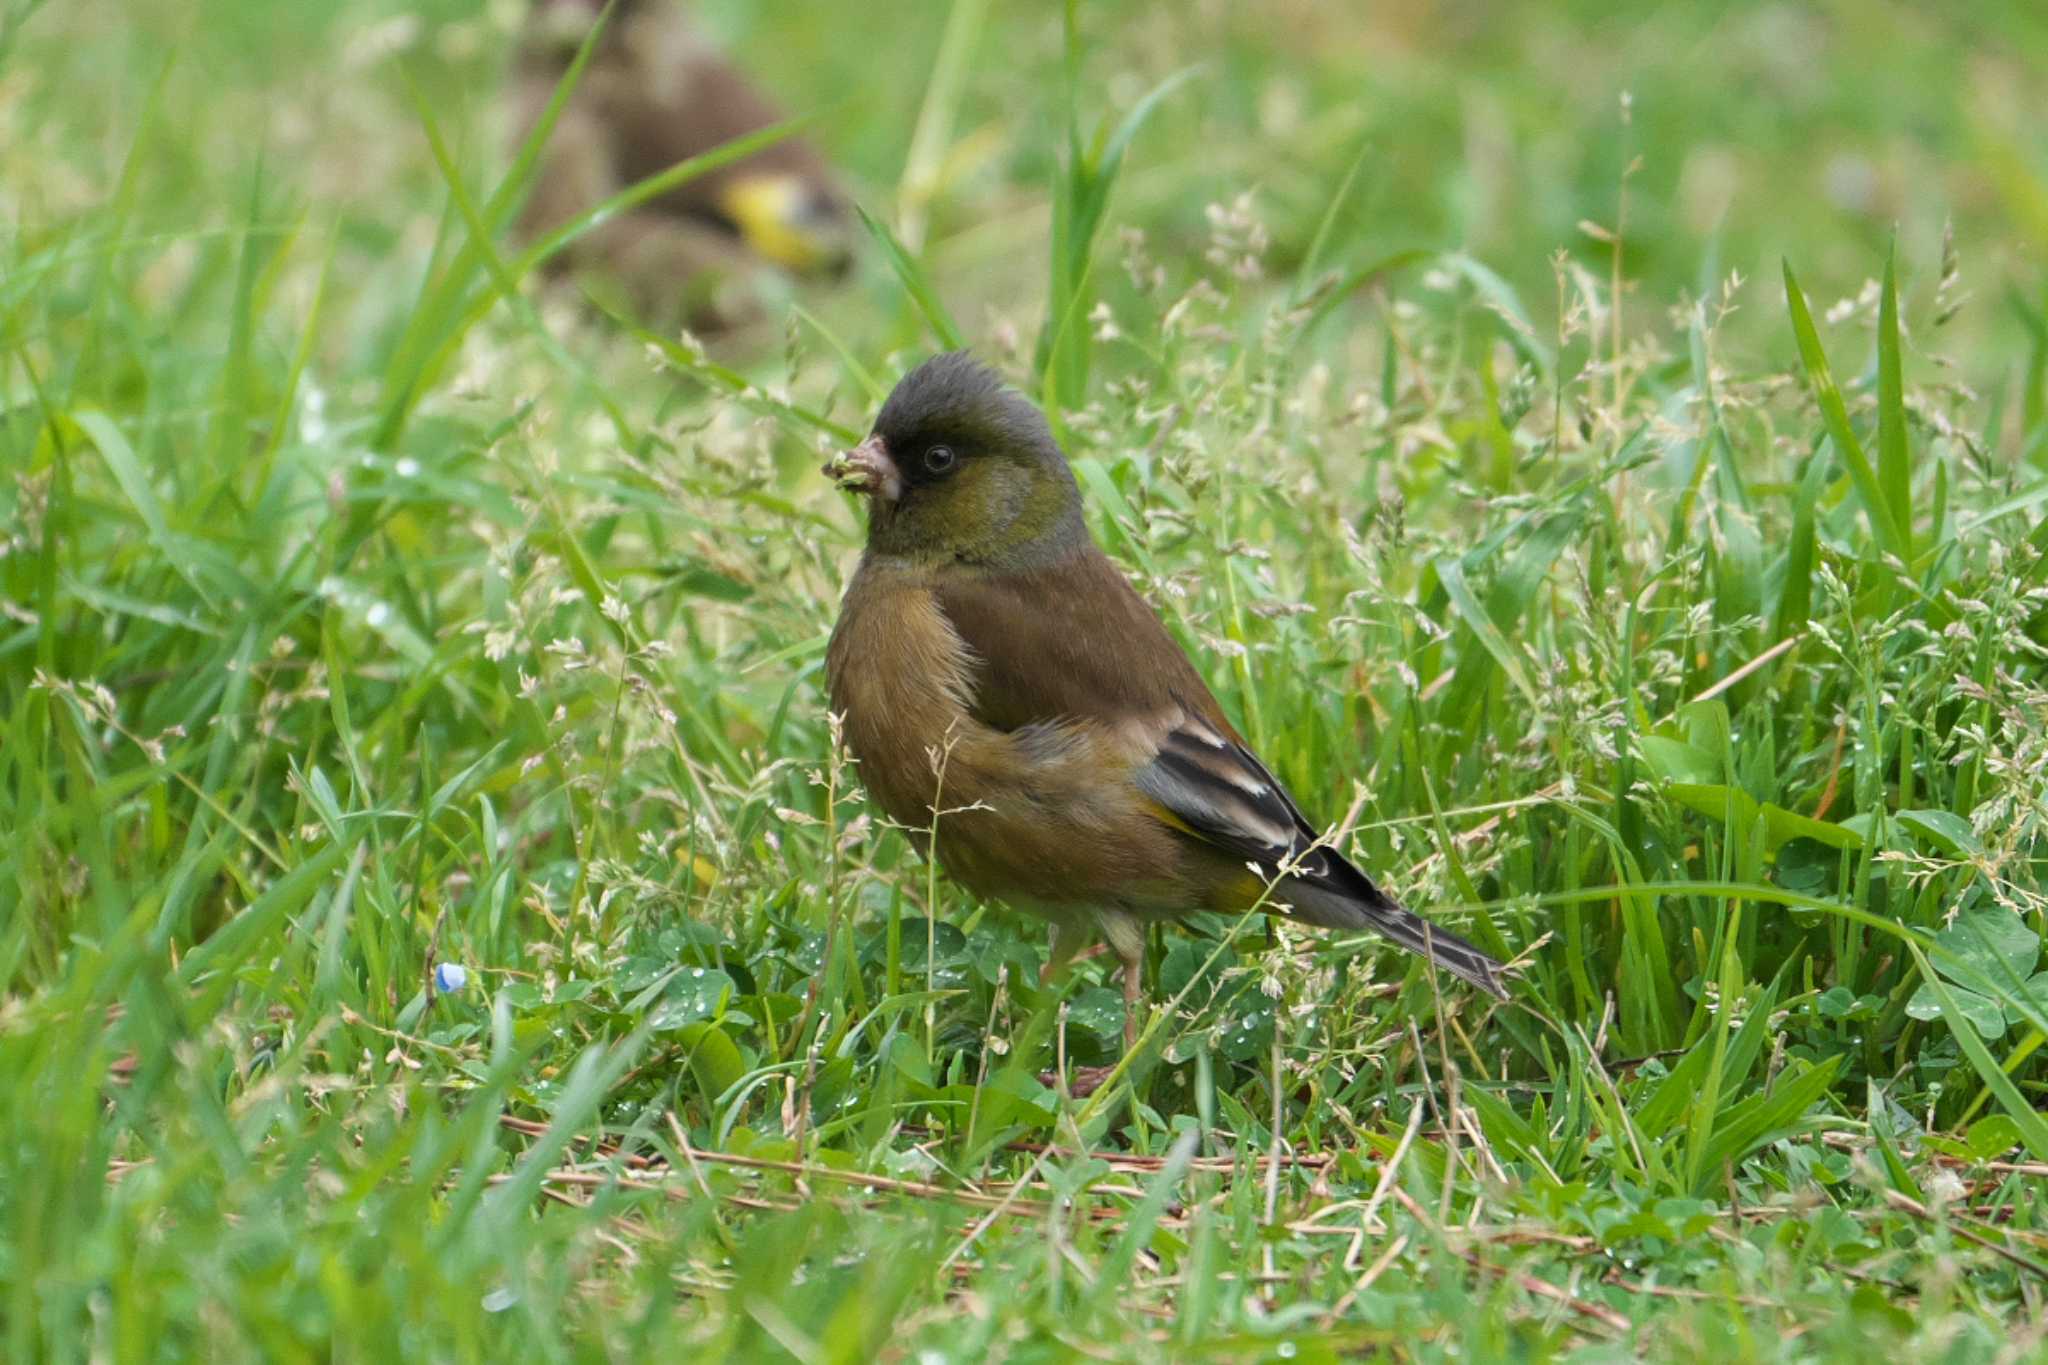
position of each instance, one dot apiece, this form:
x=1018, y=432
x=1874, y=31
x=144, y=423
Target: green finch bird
x=1086, y=774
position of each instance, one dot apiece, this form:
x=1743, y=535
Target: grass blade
x=1312, y=259
x=934, y=128
x=1082, y=185
x=1795, y=594
x=2033, y=1128
x=1137, y=1230
x=914, y=281
x=441, y=294
x=1894, y=461
x=122, y=461
x=1451, y=573
x=1836, y=418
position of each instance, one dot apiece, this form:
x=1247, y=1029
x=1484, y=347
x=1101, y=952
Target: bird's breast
x=901, y=681
x=1041, y=813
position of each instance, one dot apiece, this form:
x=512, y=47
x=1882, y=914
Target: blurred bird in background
x=654, y=93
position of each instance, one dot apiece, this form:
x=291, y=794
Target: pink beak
x=867, y=468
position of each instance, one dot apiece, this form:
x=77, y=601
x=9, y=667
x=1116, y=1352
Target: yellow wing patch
x=1166, y=817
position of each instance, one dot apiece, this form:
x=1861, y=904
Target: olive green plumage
x=1084, y=770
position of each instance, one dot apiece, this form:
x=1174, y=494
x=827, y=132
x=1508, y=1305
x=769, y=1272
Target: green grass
x=363, y=608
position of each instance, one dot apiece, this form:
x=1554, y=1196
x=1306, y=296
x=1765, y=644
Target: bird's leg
x=1086, y=1080
x=1134, y=993
x=1125, y=933
x=1068, y=938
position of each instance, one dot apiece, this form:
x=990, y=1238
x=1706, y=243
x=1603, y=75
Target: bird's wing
x=1067, y=642
x=1209, y=785
x=1075, y=644
x=1212, y=786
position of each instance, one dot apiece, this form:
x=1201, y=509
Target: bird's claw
x=1082, y=1081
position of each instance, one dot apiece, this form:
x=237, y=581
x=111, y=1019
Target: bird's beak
x=867, y=468
x=788, y=221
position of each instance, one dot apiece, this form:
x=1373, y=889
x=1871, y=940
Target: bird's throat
x=995, y=516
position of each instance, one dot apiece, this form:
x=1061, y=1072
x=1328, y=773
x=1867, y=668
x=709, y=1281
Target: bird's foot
x=1053, y=967
x=1082, y=1081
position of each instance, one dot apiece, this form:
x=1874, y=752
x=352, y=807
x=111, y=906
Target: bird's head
x=794, y=218
x=960, y=466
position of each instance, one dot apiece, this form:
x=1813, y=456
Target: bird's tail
x=1339, y=902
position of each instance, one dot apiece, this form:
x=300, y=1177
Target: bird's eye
x=939, y=459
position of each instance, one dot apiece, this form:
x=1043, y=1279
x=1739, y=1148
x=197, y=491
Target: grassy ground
x=1685, y=643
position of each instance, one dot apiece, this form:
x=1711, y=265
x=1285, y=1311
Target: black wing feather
x=1221, y=792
